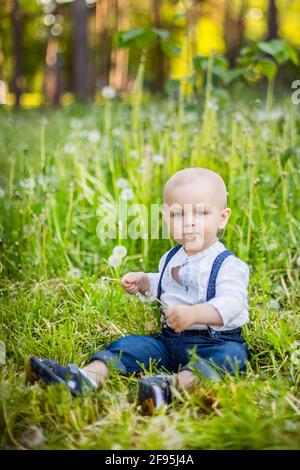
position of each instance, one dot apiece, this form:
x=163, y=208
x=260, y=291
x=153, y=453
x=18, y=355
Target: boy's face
x=194, y=213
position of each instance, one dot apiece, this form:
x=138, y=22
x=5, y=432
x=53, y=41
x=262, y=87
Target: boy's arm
x=230, y=300
x=231, y=296
x=153, y=280
x=207, y=314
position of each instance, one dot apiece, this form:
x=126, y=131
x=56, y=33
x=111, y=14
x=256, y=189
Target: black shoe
x=50, y=372
x=155, y=392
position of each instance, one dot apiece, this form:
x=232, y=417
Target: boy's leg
x=97, y=371
x=129, y=354
x=185, y=379
x=211, y=360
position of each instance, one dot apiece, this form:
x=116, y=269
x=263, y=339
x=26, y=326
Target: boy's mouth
x=190, y=234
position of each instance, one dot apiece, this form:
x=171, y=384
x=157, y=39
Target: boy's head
x=195, y=207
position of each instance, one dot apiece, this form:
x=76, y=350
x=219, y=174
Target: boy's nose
x=189, y=220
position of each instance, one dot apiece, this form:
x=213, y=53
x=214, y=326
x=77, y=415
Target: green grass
x=53, y=303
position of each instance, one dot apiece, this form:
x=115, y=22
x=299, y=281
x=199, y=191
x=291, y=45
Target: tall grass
x=57, y=167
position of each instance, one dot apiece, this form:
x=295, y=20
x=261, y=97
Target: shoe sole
x=39, y=371
x=146, y=399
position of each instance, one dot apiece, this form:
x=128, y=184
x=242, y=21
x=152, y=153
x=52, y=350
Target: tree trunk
x=80, y=51
x=104, y=16
x=159, y=57
x=234, y=32
x=272, y=20
x=53, y=76
x=17, y=50
x=118, y=77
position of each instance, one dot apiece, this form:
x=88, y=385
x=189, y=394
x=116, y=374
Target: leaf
x=139, y=36
x=200, y=63
x=273, y=47
x=292, y=54
x=280, y=49
x=161, y=33
x=124, y=38
x=267, y=68
x=230, y=75
x=170, y=48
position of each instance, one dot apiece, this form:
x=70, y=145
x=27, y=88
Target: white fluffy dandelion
x=134, y=154
x=272, y=246
x=74, y=273
x=114, y=261
x=70, y=149
x=108, y=92
x=158, y=159
x=28, y=184
x=32, y=437
x=274, y=303
x=76, y=123
x=127, y=193
x=123, y=183
x=120, y=251
x=94, y=136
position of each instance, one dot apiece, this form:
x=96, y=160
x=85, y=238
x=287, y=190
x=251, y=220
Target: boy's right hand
x=135, y=282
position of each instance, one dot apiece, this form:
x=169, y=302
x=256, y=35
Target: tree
x=234, y=31
x=272, y=21
x=105, y=15
x=16, y=18
x=118, y=75
x=159, y=57
x=80, y=50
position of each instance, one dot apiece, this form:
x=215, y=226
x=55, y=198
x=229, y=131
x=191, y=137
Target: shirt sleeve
x=154, y=280
x=231, y=296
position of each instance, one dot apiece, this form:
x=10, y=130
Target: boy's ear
x=226, y=213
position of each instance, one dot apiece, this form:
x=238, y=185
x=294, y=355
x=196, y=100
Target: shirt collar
x=214, y=247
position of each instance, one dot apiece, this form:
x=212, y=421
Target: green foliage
x=54, y=304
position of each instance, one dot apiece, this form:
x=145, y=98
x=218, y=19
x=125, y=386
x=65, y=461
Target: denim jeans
x=205, y=352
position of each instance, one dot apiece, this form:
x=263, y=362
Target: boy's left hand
x=180, y=317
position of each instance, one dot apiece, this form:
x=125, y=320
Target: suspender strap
x=211, y=289
x=169, y=256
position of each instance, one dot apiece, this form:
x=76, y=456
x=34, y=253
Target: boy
x=202, y=291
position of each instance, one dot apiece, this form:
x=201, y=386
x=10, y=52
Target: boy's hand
x=180, y=317
x=135, y=282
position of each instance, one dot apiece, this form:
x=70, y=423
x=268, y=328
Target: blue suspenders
x=211, y=289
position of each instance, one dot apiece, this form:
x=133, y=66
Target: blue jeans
x=203, y=351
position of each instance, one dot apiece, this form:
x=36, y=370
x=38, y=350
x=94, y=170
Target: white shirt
x=231, y=297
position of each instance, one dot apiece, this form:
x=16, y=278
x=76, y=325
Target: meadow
x=57, y=167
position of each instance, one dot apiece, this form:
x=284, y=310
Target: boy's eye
x=177, y=215
x=201, y=213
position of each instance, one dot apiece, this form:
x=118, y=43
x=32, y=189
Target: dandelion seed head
x=28, y=184
x=272, y=246
x=70, y=149
x=76, y=123
x=120, y=251
x=274, y=303
x=94, y=136
x=108, y=92
x=158, y=159
x=74, y=273
x=134, y=154
x=128, y=194
x=123, y=183
x=114, y=261
x=33, y=437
